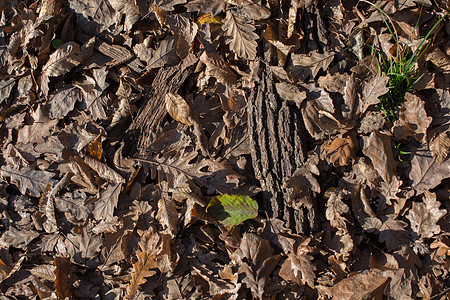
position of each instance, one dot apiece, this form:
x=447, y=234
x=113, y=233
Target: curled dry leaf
x=179, y=109
x=299, y=269
x=218, y=68
x=103, y=170
x=167, y=215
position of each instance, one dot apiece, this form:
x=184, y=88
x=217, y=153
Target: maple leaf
x=240, y=35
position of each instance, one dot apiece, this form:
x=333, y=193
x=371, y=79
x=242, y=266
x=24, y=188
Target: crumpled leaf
x=336, y=209
x=373, y=89
x=232, y=210
x=299, y=269
x=240, y=35
x=255, y=258
x=63, y=60
x=103, y=170
x=63, y=101
x=179, y=109
x=218, y=68
x=40, y=128
x=167, y=215
x=143, y=268
x=412, y=119
x=28, y=180
x=165, y=54
x=424, y=216
x=441, y=61
x=308, y=65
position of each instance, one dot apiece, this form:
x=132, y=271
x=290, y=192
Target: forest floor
x=226, y=149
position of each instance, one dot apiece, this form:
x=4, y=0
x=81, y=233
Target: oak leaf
x=340, y=151
x=372, y=90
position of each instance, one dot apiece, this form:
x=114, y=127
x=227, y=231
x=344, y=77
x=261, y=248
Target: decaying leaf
x=64, y=277
x=103, y=170
x=439, y=146
x=299, y=269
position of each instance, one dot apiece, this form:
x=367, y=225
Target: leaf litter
x=121, y=121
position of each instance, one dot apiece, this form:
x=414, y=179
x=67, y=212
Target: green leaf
x=231, y=210
x=56, y=43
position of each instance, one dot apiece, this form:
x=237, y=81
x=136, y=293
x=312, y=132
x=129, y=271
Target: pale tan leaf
x=218, y=68
x=373, y=89
x=439, y=146
x=28, y=180
x=105, y=205
x=336, y=209
x=369, y=285
x=240, y=35
x=103, y=170
x=378, y=148
x=425, y=172
x=441, y=61
x=291, y=92
x=179, y=109
x=308, y=65
x=165, y=54
x=424, y=216
x=123, y=111
x=41, y=127
x=167, y=215
x=63, y=60
x=350, y=94
x=46, y=272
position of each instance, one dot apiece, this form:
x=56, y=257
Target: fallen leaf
x=240, y=35
x=63, y=60
x=394, y=234
x=340, y=151
x=308, y=65
x=178, y=109
x=103, y=170
x=28, y=180
x=290, y=92
x=424, y=216
x=167, y=215
x=232, y=210
x=165, y=54
x=372, y=90
x=298, y=269
x=214, y=7
x=439, y=146
x=64, y=277
x=379, y=149
x=218, y=68
x=105, y=205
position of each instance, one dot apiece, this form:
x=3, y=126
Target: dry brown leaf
x=218, y=68
x=63, y=60
x=166, y=54
x=299, y=269
x=441, y=61
x=303, y=183
x=308, y=65
x=41, y=127
x=424, y=216
x=425, y=172
x=103, y=170
x=145, y=264
x=167, y=215
x=291, y=92
x=240, y=35
x=373, y=89
x=95, y=148
x=104, y=206
x=28, y=180
x=336, y=209
x=439, y=146
x=412, y=119
x=378, y=148
x=369, y=285
x=214, y=7
x=394, y=234
x=64, y=278
x=340, y=151
x=179, y=109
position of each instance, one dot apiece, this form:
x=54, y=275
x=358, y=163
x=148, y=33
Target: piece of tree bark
x=150, y=117
x=275, y=128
